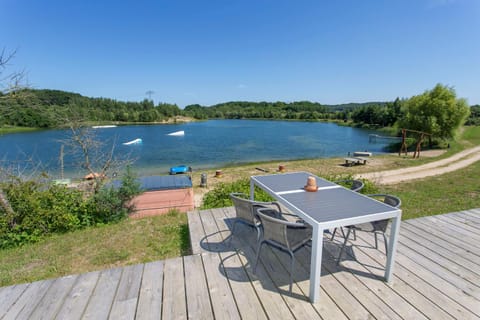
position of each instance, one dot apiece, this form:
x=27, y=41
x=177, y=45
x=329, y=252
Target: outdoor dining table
x=329, y=207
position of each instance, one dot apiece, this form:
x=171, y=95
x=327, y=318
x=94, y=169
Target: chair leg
x=343, y=246
x=386, y=244
x=257, y=257
x=343, y=233
x=292, y=265
x=258, y=233
x=376, y=240
x=232, y=232
x=354, y=235
x=333, y=234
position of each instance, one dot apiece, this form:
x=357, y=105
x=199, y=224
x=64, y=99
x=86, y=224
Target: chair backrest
x=244, y=207
x=274, y=229
x=389, y=199
x=354, y=185
x=392, y=201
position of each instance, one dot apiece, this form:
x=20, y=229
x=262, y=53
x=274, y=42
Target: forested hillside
x=51, y=108
x=297, y=110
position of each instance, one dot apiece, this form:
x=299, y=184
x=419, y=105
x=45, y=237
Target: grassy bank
x=155, y=238
x=8, y=129
x=451, y=192
x=128, y=242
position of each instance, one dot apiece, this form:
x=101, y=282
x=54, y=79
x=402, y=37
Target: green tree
x=474, y=118
x=436, y=111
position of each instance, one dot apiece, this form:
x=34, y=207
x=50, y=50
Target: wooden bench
x=354, y=161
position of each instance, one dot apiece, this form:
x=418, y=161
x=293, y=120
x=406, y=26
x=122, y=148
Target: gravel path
x=455, y=162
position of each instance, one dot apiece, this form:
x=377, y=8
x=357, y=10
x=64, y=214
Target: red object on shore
x=94, y=175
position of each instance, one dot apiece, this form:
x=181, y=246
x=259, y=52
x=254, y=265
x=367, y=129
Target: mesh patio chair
x=246, y=212
x=375, y=227
x=354, y=185
x=282, y=234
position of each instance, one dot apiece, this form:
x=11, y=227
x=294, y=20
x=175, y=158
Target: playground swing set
x=421, y=137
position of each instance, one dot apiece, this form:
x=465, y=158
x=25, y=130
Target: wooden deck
x=436, y=276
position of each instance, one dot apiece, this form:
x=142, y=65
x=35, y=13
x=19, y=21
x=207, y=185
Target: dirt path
x=455, y=162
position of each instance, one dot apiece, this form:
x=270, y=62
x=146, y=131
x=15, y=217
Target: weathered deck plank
x=428, y=238
x=465, y=225
x=303, y=309
x=267, y=298
x=415, y=284
x=441, y=255
x=473, y=214
x=196, y=231
x=125, y=301
x=455, y=229
x=223, y=302
x=198, y=296
x=150, y=298
x=448, y=235
x=445, y=295
x=443, y=271
x=8, y=296
x=27, y=302
x=77, y=299
x=53, y=298
x=243, y=292
x=397, y=295
x=362, y=293
x=102, y=298
x=469, y=220
x=174, y=302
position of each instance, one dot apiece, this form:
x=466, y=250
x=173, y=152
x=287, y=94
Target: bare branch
x=15, y=81
x=93, y=155
x=6, y=57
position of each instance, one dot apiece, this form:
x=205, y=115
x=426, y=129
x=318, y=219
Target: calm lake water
x=209, y=144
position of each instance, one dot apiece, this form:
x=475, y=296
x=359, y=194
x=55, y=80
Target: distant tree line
x=474, y=118
x=50, y=108
x=298, y=110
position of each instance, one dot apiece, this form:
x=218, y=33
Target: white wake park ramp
x=136, y=141
x=177, y=133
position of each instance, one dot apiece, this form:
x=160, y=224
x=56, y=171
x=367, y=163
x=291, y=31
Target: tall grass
x=127, y=242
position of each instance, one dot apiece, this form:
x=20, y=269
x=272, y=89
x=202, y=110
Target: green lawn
x=128, y=242
x=4, y=130
x=451, y=192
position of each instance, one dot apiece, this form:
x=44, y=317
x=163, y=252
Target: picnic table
x=350, y=161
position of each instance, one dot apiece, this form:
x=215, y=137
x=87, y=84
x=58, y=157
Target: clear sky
x=207, y=52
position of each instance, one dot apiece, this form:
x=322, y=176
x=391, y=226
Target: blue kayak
x=180, y=169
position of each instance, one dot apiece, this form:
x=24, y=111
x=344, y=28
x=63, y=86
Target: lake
x=207, y=144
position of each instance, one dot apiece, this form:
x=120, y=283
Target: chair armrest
x=273, y=203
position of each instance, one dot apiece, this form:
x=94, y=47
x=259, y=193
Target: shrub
x=38, y=211
x=219, y=196
x=110, y=203
x=40, y=208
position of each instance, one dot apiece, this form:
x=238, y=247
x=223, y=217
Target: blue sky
x=208, y=52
